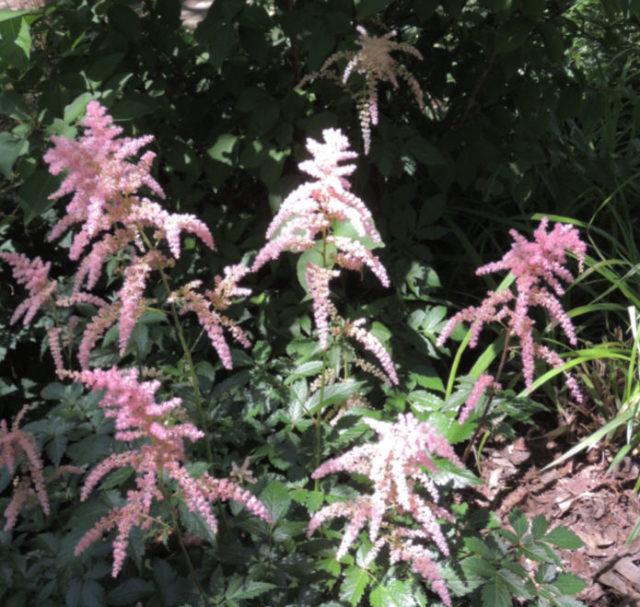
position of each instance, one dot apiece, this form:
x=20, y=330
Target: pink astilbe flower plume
x=533, y=264
x=138, y=417
x=34, y=275
x=13, y=444
x=395, y=465
x=208, y=308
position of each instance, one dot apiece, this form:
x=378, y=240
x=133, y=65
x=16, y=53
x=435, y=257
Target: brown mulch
x=580, y=495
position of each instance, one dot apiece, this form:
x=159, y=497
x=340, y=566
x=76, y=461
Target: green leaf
x=248, y=590
x=477, y=545
x=34, y=194
x=394, y=594
x=194, y=523
x=116, y=478
x=478, y=567
x=539, y=526
x=519, y=522
x=512, y=35
x=515, y=583
x=353, y=586
x=74, y=590
x=93, y=594
x=568, y=583
x=334, y=393
x=563, y=538
x=129, y=592
x=364, y=8
x=424, y=152
x=223, y=150
x=10, y=148
x=496, y=593
x=276, y=499
x=76, y=108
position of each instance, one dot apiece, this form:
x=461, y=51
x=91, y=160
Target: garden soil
x=579, y=494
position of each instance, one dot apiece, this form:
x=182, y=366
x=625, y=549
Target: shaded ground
x=599, y=507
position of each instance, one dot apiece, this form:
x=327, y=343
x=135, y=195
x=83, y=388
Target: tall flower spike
x=306, y=219
x=532, y=264
x=14, y=443
x=375, y=63
x=138, y=416
x=395, y=465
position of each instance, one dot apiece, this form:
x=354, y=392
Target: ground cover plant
x=244, y=258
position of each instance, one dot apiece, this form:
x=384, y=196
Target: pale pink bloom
x=353, y=255
x=533, y=264
x=14, y=443
x=205, y=308
x=131, y=293
x=356, y=331
x=318, y=282
x=99, y=173
x=34, y=275
x=138, y=416
x=53, y=337
x=395, y=464
x=105, y=198
x=101, y=322
x=480, y=386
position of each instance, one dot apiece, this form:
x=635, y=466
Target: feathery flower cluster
x=375, y=63
x=104, y=185
x=139, y=417
x=208, y=308
x=34, y=275
x=532, y=264
x=304, y=221
x=395, y=465
x=14, y=443
x=106, y=203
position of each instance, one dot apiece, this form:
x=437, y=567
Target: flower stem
x=480, y=426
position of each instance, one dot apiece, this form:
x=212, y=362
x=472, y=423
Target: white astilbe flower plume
x=395, y=465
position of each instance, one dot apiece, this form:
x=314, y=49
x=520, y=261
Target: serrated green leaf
x=353, y=586
x=247, y=590
x=563, y=538
x=93, y=594
x=539, y=526
x=394, y=594
x=496, y=593
x=477, y=567
x=568, y=583
x=334, y=393
x=519, y=522
x=534, y=552
x=275, y=497
x=515, y=583
x=477, y=545
x=129, y=592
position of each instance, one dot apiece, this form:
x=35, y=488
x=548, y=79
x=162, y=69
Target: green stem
x=176, y=528
x=187, y=354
